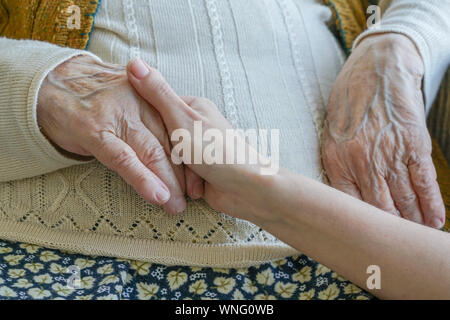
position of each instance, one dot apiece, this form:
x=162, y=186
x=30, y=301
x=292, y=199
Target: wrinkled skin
x=88, y=108
x=224, y=185
x=376, y=145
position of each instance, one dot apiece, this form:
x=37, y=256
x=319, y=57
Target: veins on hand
x=87, y=79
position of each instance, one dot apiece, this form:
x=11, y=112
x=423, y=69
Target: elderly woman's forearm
x=25, y=152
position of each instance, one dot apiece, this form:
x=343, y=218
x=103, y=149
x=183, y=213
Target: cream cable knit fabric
x=266, y=63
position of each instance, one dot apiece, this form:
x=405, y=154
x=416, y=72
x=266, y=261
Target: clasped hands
x=376, y=146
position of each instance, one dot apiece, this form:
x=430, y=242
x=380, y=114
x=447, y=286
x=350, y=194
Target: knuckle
x=124, y=158
x=141, y=181
x=406, y=202
x=165, y=142
x=154, y=155
x=198, y=101
x=205, y=101
x=157, y=84
x=384, y=205
x=425, y=184
x=427, y=189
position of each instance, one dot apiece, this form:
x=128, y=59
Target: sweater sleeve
x=427, y=24
x=24, y=150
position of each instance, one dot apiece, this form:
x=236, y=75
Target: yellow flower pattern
x=265, y=277
x=307, y=295
x=224, y=285
x=147, y=291
x=303, y=275
x=330, y=293
x=285, y=290
x=198, y=287
x=32, y=272
x=176, y=279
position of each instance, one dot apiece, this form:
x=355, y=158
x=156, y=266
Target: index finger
x=423, y=176
x=121, y=158
x=152, y=86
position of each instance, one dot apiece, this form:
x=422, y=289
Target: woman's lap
x=32, y=272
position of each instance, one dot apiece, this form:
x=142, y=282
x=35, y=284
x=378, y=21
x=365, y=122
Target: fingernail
x=437, y=223
x=179, y=205
x=139, y=69
x=198, y=190
x=162, y=195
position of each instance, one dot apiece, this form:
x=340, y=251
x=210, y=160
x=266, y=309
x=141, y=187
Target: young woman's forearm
x=349, y=235
x=343, y=233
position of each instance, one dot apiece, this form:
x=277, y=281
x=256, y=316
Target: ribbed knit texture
x=266, y=63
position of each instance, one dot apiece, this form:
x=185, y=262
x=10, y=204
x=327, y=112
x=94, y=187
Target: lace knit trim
x=225, y=75
x=167, y=253
x=133, y=35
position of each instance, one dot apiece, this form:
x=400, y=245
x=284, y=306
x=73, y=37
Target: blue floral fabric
x=32, y=272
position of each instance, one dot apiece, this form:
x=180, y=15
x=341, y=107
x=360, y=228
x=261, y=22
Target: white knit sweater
x=266, y=63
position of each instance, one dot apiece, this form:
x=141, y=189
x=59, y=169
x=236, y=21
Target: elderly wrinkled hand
x=231, y=188
x=376, y=144
x=88, y=108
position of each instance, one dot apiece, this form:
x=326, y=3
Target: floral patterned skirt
x=32, y=272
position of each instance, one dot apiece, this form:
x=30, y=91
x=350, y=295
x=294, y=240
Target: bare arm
x=331, y=227
x=349, y=235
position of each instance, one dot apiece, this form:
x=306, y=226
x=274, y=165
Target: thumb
x=151, y=86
